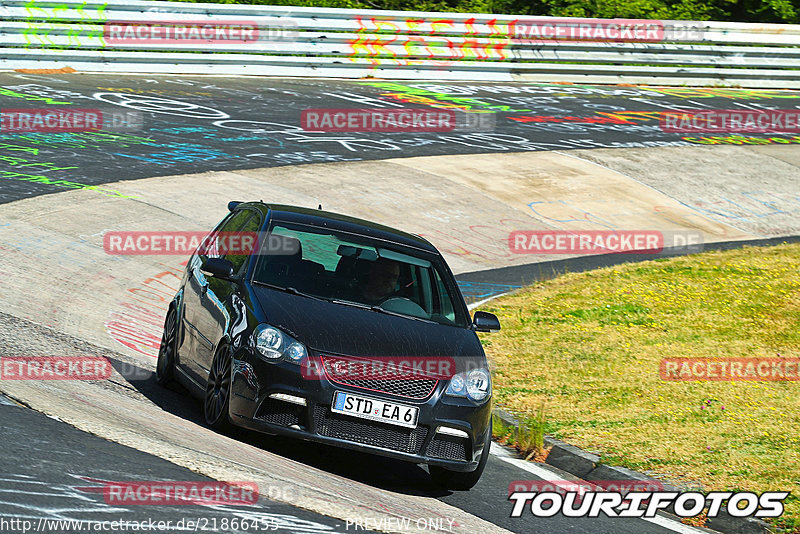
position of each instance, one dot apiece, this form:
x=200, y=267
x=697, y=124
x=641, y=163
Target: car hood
x=332, y=328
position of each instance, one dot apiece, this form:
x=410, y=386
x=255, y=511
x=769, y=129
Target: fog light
x=446, y=430
x=288, y=398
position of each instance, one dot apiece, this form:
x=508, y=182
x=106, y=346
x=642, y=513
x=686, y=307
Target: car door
x=196, y=302
x=213, y=316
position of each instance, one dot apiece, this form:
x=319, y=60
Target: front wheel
x=218, y=391
x=165, y=366
x=458, y=480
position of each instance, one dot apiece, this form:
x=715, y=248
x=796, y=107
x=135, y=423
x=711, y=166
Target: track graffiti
x=196, y=125
x=565, y=214
x=77, y=501
x=741, y=140
x=750, y=206
x=572, y=90
x=161, y=105
x=138, y=321
x=31, y=97
x=17, y=162
x=47, y=93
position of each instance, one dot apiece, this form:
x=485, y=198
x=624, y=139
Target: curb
x=588, y=466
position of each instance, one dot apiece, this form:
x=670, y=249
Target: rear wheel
x=458, y=480
x=165, y=366
x=218, y=391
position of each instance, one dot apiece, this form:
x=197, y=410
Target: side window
x=216, y=244
x=415, y=292
x=238, y=257
x=205, y=249
x=445, y=304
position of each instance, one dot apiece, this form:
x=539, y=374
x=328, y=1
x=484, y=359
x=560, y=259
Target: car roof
x=337, y=221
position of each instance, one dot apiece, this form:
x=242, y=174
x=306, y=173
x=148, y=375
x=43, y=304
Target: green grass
x=589, y=345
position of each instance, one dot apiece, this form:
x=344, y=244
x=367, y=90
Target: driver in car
x=381, y=282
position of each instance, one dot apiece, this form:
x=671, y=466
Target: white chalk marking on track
x=484, y=301
x=545, y=474
x=6, y=402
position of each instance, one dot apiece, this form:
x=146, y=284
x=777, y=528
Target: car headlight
x=475, y=385
x=273, y=344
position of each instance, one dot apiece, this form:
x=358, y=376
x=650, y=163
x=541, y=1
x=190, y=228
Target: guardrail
x=185, y=38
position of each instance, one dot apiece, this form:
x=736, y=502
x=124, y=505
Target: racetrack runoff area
x=465, y=204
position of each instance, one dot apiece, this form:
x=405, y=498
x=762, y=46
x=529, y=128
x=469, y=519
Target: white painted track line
x=546, y=474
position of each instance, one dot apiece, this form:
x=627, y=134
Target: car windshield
x=359, y=271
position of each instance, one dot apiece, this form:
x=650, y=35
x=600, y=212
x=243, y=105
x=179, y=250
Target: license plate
x=375, y=409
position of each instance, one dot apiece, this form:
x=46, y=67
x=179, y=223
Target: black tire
x=165, y=366
x=458, y=480
x=218, y=391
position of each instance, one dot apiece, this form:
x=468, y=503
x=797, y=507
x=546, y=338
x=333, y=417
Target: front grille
x=368, y=432
x=394, y=383
x=279, y=412
x=448, y=448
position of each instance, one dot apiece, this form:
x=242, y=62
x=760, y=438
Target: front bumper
x=254, y=380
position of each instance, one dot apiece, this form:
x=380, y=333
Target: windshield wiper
x=290, y=289
x=352, y=303
x=375, y=307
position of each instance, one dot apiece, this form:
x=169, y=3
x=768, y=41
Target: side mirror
x=485, y=322
x=218, y=268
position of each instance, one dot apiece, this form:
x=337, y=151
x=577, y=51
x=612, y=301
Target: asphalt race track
x=203, y=124
x=63, y=476
x=52, y=483
x=540, y=156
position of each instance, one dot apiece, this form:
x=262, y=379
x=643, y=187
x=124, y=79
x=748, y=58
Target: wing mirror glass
x=485, y=322
x=218, y=268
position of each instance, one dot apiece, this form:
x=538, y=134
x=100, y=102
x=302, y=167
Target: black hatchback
x=336, y=330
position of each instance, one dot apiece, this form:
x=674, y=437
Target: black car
x=336, y=330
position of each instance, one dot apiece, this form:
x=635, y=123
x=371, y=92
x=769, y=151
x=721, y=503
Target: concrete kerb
x=529, y=273
x=589, y=467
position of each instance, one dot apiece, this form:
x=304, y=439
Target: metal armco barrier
x=94, y=36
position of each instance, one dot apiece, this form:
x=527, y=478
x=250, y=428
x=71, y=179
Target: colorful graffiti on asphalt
x=5, y=91
x=19, y=162
x=742, y=140
x=193, y=126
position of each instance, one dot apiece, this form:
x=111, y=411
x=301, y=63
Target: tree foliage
x=786, y=11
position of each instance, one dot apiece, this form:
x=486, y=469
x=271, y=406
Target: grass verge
x=590, y=345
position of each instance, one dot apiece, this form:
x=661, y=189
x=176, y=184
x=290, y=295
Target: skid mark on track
x=138, y=321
